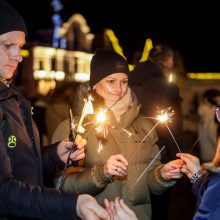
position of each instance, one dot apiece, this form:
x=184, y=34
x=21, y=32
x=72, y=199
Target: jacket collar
x=129, y=116
x=7, y=91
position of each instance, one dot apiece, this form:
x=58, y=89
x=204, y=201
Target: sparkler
x=87, y=109
x=164, y=116
x=101, y=130
x=146, y=169
x=73, y=148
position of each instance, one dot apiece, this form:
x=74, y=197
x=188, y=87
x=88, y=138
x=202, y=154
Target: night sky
x=192, y=29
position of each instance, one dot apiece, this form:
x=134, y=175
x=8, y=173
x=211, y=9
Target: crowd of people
x=122, y=161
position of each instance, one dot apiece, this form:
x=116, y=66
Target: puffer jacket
x=22, y=195
x=93, y=181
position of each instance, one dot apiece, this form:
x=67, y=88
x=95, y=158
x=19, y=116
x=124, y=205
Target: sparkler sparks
x=101, y=129
x=165, y=115
x=101, y=116
x=87, y=109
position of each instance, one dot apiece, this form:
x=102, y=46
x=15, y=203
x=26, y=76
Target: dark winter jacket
x=154, y=92
x=22, y=164
x=207, y=191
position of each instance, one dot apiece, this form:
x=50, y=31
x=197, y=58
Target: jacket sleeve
x=91, y=181
x=51, y=161
x=209, y=206
x=19, y=199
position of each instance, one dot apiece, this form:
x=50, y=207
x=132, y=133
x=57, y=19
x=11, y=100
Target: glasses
x=217, y=113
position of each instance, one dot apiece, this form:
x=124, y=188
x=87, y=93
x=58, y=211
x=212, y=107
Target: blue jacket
x=22, y=164
x=207, y=190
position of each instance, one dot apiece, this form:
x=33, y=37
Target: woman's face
x=112, y=87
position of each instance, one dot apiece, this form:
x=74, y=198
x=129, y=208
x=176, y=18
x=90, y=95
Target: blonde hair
x=214, y=165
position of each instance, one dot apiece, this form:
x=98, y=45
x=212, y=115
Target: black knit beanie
x=104, y=63
x=10, y=19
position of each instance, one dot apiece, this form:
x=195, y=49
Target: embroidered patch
x=12, y=141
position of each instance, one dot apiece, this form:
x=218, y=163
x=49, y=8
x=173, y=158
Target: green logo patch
x=12, y=141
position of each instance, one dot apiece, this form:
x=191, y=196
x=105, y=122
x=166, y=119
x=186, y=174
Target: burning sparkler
x=87, y=109
x=165, y=115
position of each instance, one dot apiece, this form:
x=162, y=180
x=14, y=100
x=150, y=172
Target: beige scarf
x=121, y=106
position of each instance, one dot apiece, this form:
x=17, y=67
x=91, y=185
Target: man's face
x=169, y=63
x=10, y=47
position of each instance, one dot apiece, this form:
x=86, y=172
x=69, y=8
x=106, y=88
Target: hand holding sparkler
x=69, y=150
x=64, y=147
x=172, y=170
x=192, y=164
x=87, y=109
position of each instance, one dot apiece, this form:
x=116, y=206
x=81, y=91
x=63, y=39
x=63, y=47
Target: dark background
x=191, y=28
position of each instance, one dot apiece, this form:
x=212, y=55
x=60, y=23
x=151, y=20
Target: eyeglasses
x=217, y=113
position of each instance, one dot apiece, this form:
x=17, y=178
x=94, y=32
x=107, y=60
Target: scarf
x=122, y=105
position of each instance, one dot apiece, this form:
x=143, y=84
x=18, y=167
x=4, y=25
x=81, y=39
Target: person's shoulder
x=61, y=132
x=144, y=122
x=142, y=65
x=146, y=127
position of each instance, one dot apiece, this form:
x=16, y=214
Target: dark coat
x=154, y=92
x=21, y=170
x=207, y=191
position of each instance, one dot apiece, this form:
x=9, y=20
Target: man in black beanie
x=22, y=195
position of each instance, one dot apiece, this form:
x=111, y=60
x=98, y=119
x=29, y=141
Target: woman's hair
x=214, y=165
x=210, y=95
x=98, y=101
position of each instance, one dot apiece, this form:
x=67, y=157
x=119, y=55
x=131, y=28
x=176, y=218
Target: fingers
x=88, y=208
x=116, y=165
x=125, y=207
x=78, y=154
x=120, y=170
x=187, y=156
x=176, y=175
x=96, y=208
x=172, y=170
x=192, y=162
x=80, y=142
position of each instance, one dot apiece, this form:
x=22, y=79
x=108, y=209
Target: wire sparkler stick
x=87, y=109
x=149, y=132
x=164, y=117
x=191, y=149
x=147, y=168
x=173, y=137
x=73, y=148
